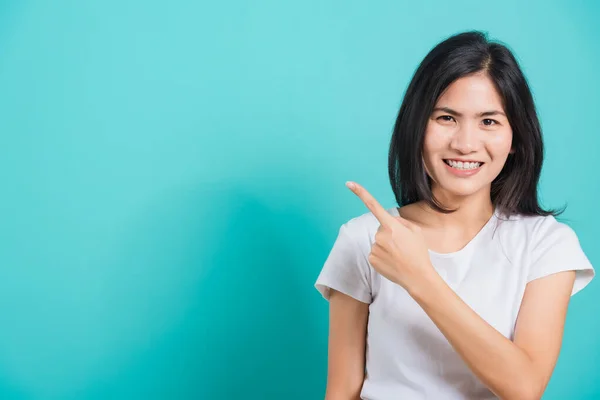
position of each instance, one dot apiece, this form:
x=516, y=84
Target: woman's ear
x=512, y=150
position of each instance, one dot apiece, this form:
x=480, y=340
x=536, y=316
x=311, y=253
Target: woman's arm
x=346, y=352
x=519, y=370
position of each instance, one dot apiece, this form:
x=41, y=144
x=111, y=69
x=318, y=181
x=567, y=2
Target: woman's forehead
x=473, y=94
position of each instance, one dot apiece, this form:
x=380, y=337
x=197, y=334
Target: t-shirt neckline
x=469, y=245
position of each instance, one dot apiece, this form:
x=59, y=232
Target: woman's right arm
x=346, y=348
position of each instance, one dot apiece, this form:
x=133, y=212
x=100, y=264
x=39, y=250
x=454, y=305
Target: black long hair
x=514, y=191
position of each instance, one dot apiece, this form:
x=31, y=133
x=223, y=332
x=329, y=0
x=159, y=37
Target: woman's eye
x=446, y=118
x=489, y=122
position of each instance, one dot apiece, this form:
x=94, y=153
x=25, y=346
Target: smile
x=466, y=165
x=463, y=168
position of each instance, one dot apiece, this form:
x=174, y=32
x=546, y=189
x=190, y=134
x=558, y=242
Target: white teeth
x=463, y=165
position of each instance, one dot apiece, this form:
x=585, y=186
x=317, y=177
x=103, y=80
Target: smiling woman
x=464, y=140
x=462, y=291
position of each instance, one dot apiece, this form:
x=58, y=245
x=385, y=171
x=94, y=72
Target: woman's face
x=467, y=139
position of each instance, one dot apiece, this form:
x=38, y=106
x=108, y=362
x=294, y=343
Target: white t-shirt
x=407, y=357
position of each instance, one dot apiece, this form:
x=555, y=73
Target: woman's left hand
x=399, y=252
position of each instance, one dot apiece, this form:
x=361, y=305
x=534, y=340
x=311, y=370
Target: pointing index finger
x=373, y=205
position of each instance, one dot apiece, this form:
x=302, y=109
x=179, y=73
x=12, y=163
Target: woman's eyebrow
x=448, y=110
x=457, y=114
x=491, y=113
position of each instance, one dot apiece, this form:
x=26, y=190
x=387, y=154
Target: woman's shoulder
x=534, y=230
x=549, y=246
x=363, y=227
x=533, y=224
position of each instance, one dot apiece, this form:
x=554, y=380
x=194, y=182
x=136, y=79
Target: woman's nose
x=465, y=139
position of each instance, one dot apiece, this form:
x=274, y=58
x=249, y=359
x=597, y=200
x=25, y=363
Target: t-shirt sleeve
x=558, y=249
x=346, y=269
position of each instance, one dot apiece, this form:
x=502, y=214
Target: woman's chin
x=454, y=190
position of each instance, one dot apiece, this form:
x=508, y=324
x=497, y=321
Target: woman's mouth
x=463, y=168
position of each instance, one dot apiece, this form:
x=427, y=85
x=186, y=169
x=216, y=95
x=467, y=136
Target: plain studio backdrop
x=173, y=179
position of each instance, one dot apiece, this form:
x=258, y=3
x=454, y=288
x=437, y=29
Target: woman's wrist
x=425, y=285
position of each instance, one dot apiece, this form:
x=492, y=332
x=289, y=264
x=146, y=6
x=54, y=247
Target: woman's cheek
x=437, y=137
x=500, y=142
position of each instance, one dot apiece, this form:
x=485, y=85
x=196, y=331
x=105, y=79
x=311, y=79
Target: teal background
x=173, y=179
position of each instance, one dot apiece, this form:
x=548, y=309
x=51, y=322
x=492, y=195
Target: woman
x=462, y=292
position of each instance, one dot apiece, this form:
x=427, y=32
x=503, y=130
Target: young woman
x=462, y=291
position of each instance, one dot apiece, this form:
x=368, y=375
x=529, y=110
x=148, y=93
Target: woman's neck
x=471, y=211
